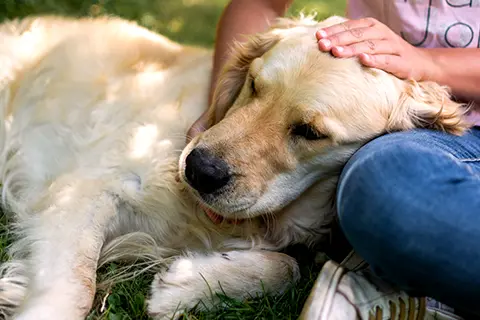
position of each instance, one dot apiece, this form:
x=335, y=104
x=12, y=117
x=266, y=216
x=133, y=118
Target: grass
x=127, y=301
x=190, y=22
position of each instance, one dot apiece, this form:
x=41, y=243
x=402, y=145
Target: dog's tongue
x=217, y=219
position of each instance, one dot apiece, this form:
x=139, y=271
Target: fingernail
x=321, y=33
x=339, y=49
x=326, y=43
x=365, y=57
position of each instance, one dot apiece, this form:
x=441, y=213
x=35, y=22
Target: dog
x=96, y=168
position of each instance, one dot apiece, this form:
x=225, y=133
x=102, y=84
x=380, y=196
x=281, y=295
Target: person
x=408, y=202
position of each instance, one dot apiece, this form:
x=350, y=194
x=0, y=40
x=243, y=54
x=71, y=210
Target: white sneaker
x=339, y=294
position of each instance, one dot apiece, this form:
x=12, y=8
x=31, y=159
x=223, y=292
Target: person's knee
x=375, y=190
x=405, y=205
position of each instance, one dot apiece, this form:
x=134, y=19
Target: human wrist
x=456, y=68
x=432, y=66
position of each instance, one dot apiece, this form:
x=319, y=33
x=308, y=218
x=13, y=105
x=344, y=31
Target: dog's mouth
x=217, y=218
x=210, y=213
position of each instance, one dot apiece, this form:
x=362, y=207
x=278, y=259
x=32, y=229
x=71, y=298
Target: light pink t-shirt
x=426, y=23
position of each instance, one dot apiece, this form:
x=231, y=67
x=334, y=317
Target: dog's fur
x=96, y=112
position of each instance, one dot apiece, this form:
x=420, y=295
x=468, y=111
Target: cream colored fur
x=96, y=112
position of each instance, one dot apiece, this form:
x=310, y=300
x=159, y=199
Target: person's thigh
x=409, y=204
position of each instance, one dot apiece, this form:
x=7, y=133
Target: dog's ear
x=427, y=105
x=233, y=75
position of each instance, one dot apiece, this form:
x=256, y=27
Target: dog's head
x=295, y=115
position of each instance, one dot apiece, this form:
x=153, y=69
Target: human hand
x=376, y=46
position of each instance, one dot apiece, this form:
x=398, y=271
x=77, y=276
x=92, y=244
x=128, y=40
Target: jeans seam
x=470, y=160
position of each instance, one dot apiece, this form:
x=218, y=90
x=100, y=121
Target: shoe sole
x=320, y=300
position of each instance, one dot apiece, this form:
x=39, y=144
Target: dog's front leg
x=65, y=237
x=196, y=280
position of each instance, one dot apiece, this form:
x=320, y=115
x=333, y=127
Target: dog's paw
x=13, y=286
x=195, y=281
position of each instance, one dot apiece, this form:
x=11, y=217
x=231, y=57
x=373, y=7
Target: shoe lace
x=406, y=310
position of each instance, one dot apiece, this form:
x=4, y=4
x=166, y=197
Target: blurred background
x=186, y=21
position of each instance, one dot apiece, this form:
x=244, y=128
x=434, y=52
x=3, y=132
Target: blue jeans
x=409, y=204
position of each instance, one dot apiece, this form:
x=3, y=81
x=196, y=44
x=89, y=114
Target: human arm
x=379, y=47
x=240, y=17
x=459, y=69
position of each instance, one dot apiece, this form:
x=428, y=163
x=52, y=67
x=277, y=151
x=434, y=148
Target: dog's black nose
x=205, y=172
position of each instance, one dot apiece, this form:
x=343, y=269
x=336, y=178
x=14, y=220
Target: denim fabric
x=409, y=204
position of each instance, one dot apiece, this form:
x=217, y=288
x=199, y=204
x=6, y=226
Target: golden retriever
x=95, y=116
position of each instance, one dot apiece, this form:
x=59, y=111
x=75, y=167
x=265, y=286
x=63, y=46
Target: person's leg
x=409, y=204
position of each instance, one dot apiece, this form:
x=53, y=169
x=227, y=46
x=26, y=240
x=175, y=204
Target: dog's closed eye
x=253, y=87
x=307, y=132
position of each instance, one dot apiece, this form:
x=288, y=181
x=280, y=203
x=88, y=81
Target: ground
x=190, y=22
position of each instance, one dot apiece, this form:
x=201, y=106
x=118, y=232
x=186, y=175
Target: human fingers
x=350, y=37
x=345, y=26
x=372, y=47
x=393, y=64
